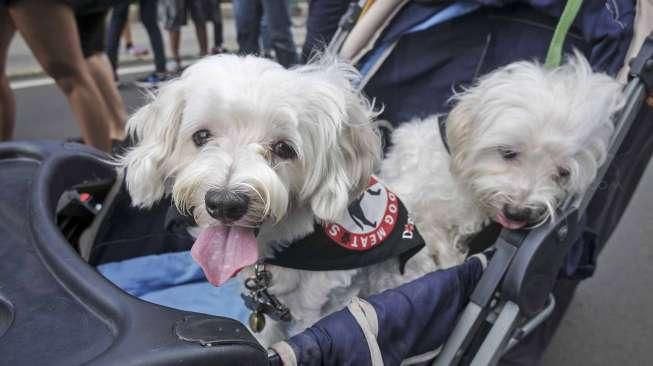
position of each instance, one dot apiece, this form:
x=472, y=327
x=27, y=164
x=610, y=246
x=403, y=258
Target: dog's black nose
x=513, y=213
x=226, y=205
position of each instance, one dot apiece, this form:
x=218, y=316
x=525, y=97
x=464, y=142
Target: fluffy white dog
x=522, y=140
x=259, y=154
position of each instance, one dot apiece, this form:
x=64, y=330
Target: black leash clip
x=260, y=301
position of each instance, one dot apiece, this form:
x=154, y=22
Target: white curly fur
x=555, y=121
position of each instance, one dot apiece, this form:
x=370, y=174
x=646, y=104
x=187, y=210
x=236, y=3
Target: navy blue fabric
x=414, y=318
x=334, y=340
x=412, y=14
x=249, y=14
x=419, y=316
x=321, y=24
x=425, y=67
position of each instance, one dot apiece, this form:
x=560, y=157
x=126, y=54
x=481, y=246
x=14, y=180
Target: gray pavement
x=610, y=320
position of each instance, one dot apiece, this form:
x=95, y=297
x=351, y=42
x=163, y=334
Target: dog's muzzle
x=226, y=206
x=523, y=214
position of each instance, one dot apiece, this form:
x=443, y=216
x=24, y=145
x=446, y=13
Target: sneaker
x=218, y=50
x=151, y=81
x=137, y=51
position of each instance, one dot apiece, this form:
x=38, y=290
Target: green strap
x=554, y=55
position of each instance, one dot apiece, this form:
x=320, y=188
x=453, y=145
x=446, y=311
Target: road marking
x=31, y=83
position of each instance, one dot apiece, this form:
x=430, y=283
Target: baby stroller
x=59, y=214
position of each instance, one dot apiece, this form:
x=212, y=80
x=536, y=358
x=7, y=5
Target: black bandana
x=375, y=228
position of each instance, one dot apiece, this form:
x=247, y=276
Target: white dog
x=522, y=140
x=259, y=154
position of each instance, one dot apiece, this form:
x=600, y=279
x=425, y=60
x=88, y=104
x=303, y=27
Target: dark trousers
x=321, y=24
x=148, y=13
x=214, y=14
x=248, y=26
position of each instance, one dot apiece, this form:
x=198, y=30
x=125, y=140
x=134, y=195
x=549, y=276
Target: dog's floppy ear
x=460, y=127
x=600, y=97
x=345, y=143
x=473, y=105
x=154, y=127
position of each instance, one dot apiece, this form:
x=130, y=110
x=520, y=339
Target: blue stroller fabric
x=175, y=280
x=411, y=320
x=432, y=59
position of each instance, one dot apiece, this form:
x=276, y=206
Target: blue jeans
x=148, y=12
x=248, y=27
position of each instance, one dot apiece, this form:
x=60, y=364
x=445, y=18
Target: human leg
x=56, y=46
x=214, y=14
x=7, y=102
x=127, y=35
x=175, y=37
x=175, y=18
x=116, y=26
x=130, y=47
x=197, y=13
x=264, y=40
x=278, y=18
x=100, y=69
x=218, y=37
x=91, y=29
x=148, y=13
x=321, y=24
x=248, y=21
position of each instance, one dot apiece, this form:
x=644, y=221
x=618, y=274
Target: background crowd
x=78, y=43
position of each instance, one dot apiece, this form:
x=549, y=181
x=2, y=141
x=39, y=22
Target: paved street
x=609, y=321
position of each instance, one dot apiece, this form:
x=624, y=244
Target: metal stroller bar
x=636, y=91
x=345, y=26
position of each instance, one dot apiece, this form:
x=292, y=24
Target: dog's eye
x=508, y=154
x=283, y=150
x=563, y=173
x=201, y=137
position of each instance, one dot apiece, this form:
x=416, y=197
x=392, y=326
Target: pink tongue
x=222, y=251
x=509, y=224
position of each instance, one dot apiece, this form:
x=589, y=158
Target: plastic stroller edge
x=137, y=327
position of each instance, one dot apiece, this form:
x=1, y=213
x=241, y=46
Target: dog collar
x=375, y=228
x=442, y=125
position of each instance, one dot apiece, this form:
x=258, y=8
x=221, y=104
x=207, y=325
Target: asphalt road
x=608, y=323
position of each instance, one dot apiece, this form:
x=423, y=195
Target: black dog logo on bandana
x=369, y=220
x=356, y=211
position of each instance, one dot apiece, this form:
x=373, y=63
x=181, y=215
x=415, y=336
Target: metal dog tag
x=256, y=321
x=259, y=300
